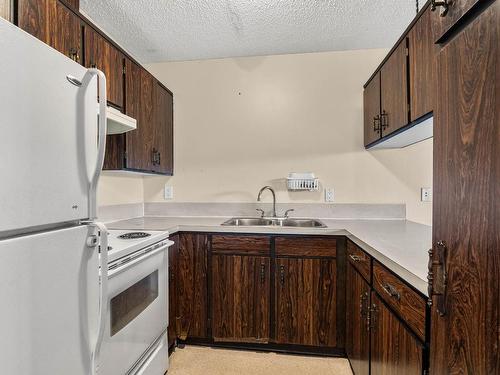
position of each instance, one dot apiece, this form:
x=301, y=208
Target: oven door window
x=127, y=305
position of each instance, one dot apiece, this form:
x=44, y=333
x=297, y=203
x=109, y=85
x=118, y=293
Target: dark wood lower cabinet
x=394, y=350
x=357, y=330
x=192, y=290
x=306, y=301
x=240, y=298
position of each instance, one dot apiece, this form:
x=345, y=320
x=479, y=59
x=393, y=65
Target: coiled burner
x=134, y=235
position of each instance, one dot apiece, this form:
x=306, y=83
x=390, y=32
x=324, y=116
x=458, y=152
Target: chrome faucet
x=274, y=197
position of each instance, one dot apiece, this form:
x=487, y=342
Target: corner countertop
x=400, y=245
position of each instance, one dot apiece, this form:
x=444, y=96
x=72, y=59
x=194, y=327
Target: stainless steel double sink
x=273, y=222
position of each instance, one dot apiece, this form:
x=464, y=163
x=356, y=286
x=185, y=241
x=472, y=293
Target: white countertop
x=400, y=245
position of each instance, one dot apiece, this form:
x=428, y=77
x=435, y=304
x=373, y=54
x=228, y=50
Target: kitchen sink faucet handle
x=262, y=213
x=287, y=212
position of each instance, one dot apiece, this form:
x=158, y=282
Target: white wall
x=117, y=188
x=243, y=123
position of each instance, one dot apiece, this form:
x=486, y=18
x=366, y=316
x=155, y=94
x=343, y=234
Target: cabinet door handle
x=376, y=123
x=355, y=258
x=282, y=275
x=262, y=273
x=372, y=318
x=384, y=120
x=445, y=4
x=155, y=157
x=437, y=276
x=73, y=54
x=391, y=291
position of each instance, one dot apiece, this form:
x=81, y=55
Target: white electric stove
x=135, y=340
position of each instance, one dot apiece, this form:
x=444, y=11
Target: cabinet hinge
x=124, y=69
x=407, y=51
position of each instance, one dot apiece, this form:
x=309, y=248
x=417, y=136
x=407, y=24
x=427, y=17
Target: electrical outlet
x=329, y=195
x=169, y=192
x=426, y=194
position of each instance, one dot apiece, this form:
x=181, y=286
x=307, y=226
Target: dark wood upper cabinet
x=163, y=131
x=357, y=333
x=33, y=17
x=6, y=8
x=393, y=348
x=240, y=292
x=192, y=287
x=101, y=54
x=371, y=110
x=422, y=65
x=394, y=90
x=465, y=312
x=306, y=301
x=446, y=17
x=53, y=23
x=173, y=254
x=139, y=99
x=64, y=31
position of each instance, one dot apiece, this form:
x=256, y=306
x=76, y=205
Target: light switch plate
x=169, y=192
x=426, y=194
x=329, y=195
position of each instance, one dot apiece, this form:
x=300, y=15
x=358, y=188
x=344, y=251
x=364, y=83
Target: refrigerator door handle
x=102, y=124
x=103, y=293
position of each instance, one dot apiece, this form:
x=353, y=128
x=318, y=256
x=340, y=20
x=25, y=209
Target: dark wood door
x=163, y=132
x=139, y=92
x=6, y=9
x=192, y=289
x=73, y=4
x=33, y=17
x=394, y=97
x=466, y=217
x=371, y=110
x=64, y=31
x=173, y=254
x=53, y=23
x=306, y=301
x=240, y=291
x=422, y=57
x=101, y=54
x=394, y=350
x=357, y=334
x=456, y=11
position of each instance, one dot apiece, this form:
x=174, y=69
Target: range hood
x=119, y=122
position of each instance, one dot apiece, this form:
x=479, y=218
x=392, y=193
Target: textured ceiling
x=173, y=30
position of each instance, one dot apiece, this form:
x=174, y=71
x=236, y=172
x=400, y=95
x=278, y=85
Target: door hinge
x=124, y=69
x=407, y=51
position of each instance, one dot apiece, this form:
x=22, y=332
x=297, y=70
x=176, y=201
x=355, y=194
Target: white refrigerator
x=52, y=140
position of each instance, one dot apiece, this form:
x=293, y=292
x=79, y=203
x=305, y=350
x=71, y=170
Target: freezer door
x=48, y=133
x=49, y=284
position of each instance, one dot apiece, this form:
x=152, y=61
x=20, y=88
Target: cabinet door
x=422, y=53
x=139, y=105
x=173, y=254
x=465, y=209
x=306, y=301
x=357, y=334
x=33, y=17
x=443, y=22
x=6, y=9
x=73, y=4
x=394, y=350
x=394, y=98
x=240, y=298
x=371, y=110
x=163, y=131
x=64, y=31
x=101, y=54
x=192, y=287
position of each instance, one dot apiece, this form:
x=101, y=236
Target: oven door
x=137, y=309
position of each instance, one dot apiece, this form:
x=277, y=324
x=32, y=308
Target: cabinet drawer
x=257, y=245
x=405, y=301
x=359, y=259
x=306, y=246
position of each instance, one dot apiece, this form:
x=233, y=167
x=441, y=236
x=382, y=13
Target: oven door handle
x=132, y=261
